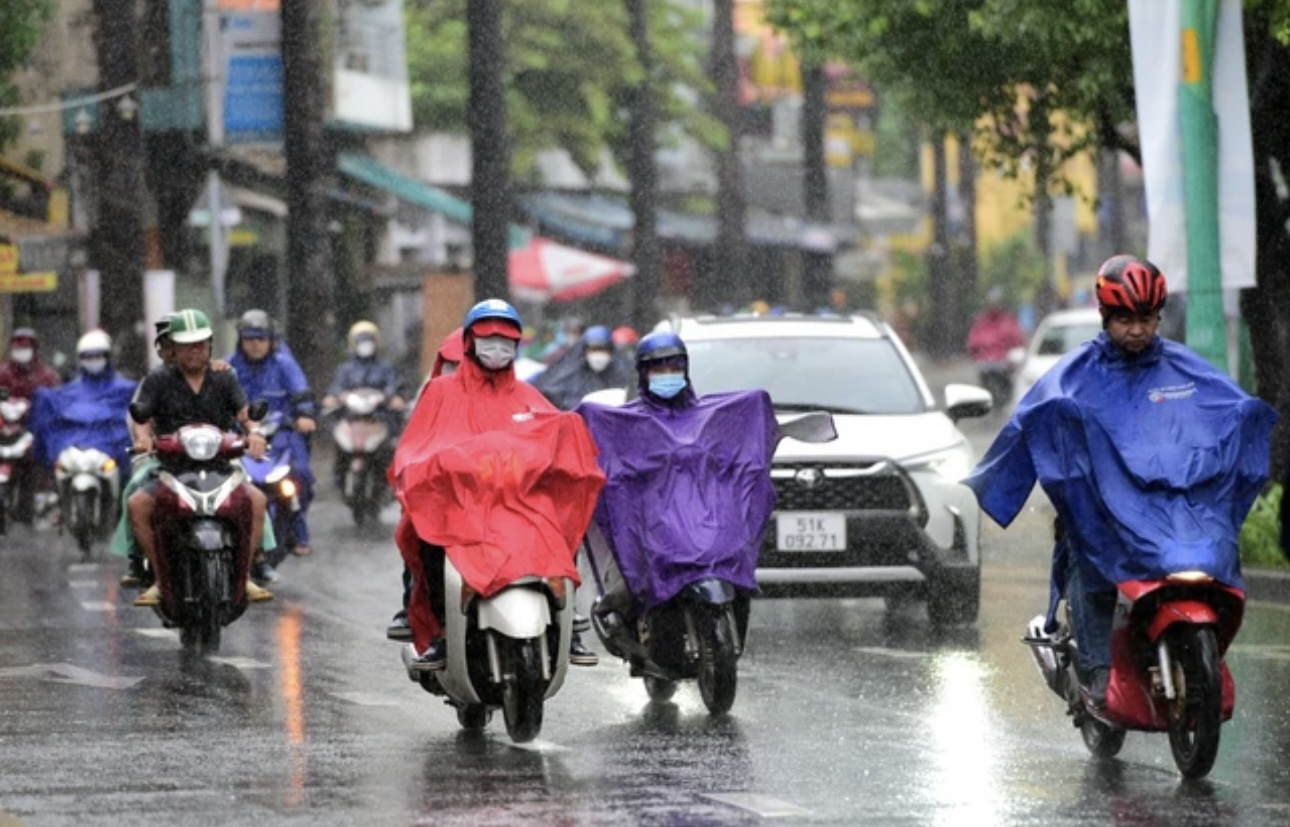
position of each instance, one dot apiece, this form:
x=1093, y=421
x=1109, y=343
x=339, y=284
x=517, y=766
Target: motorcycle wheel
x=659, y=689
x=1196, y=714
x=718, y=663
x=83, y=521
x=211, y=623
x=524, y=691
x=473, y=717
x=1102, y=739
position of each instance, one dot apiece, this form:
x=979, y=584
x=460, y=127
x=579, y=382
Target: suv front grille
x=879, y=487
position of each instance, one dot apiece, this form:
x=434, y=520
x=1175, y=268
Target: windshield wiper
x=799, y=407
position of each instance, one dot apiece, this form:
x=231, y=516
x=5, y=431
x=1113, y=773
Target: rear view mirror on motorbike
x=139, y=413
x=257, y=410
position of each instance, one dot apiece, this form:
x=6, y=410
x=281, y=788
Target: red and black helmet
x=1130, y=284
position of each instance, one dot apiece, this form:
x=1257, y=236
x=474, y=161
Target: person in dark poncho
x=592, y=364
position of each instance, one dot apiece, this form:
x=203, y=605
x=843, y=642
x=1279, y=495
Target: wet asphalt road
x=846, y=714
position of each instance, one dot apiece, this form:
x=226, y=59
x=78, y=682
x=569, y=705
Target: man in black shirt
x=191, y=393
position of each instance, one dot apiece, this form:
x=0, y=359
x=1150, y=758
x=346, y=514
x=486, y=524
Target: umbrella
x=545, y=271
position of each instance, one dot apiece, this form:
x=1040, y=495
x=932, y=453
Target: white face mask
x=598, y=360
x=365, y=349
x=94, y=365
x=22, y=355
x=495, y=352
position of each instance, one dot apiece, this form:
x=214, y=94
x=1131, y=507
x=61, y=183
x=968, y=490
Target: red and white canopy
x=545, y=271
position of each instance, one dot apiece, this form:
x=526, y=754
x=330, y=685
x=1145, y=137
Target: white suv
x=880, y=511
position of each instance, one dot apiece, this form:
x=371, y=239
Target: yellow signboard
x=8, y=259
x=28, y=282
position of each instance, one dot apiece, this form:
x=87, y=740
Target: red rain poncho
x=488, y=469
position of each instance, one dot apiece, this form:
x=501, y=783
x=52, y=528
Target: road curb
x=1271, y=585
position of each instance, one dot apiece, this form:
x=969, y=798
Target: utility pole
x=939, y=301
x=490, y=180
x=731, y=276
x=817, y=264
x=311, y=302
x=643, y=173
x=117, y=239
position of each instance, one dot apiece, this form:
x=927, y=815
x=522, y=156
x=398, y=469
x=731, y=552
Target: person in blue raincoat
x=89, y=411
x=269, y=373
x=593, y=364
x=1150, y=455
x=688, y=491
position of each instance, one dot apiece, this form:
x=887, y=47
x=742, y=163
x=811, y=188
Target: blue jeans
x=1091, y=613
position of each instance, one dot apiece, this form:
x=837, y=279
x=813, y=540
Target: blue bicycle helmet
x=659, y=346
x=492, y=309
x=597, y=336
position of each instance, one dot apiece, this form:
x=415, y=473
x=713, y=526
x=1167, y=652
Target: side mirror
x=1017, y=356
x=139, y=413
x=258, y=410
x=967, y=402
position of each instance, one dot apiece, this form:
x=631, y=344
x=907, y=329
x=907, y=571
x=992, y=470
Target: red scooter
x=1168, y=639
x=15, y=459
x=203, y=522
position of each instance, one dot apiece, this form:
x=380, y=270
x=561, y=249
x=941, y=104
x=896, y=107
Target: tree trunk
x=1266, y=308
x=1046, y=300
x=643, y=173
x=817, y=264
x=728, y=282
x=311, y=306
x=940, y=307
x=967, y=275
x=117, y=241
x=491, y=174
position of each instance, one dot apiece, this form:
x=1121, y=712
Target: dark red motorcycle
x=202, y=521
x=1168, y=639
x=15, y=460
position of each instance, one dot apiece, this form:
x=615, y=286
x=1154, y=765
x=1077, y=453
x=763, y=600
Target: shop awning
x=417, y=193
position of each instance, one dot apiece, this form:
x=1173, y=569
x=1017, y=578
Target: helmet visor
x=494, y=327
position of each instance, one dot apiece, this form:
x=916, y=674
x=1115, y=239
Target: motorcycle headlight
x=109, y=465
x=288, y=489
x=201, y=443
x=952, y=465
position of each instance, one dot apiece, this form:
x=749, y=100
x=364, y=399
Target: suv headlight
x=952, y=465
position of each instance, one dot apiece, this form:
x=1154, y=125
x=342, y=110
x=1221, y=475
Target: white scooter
x=508, y=651
x=89, y=492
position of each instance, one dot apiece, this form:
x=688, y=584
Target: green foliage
x=895, y=149
x=570, y=69
x=999, y=66
x=20, y=29
x=1261, y=532
x=1014, y=264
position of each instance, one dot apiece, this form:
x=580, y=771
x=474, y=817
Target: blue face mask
x=667, y=385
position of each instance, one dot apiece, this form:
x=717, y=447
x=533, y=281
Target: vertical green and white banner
x=1172, y=60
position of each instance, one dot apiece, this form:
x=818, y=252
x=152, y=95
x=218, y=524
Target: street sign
x=28, y=282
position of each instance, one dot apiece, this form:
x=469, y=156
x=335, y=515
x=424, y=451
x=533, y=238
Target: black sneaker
x=433, y=659
x=581, y=623
x=1093, y=688
x=399, y=628
x=580, y=655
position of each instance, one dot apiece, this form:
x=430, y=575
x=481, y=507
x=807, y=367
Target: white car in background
x=1056, y=335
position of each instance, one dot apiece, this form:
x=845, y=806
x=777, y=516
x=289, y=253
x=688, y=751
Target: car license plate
x=811, y=531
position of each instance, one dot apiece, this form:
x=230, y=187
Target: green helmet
x=189, y=326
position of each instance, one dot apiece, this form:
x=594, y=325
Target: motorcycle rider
x=593, y=364
x=22, y=373
x=267, y=372
x=184, y=393
x=446, y=361
x=98, y=384
x=994, y=332
x=492, y=394
x=365, y=369
x=1113, y=381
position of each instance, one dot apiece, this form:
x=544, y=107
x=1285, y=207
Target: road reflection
x=291, y=689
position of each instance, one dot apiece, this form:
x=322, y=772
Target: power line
x=36, y=109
